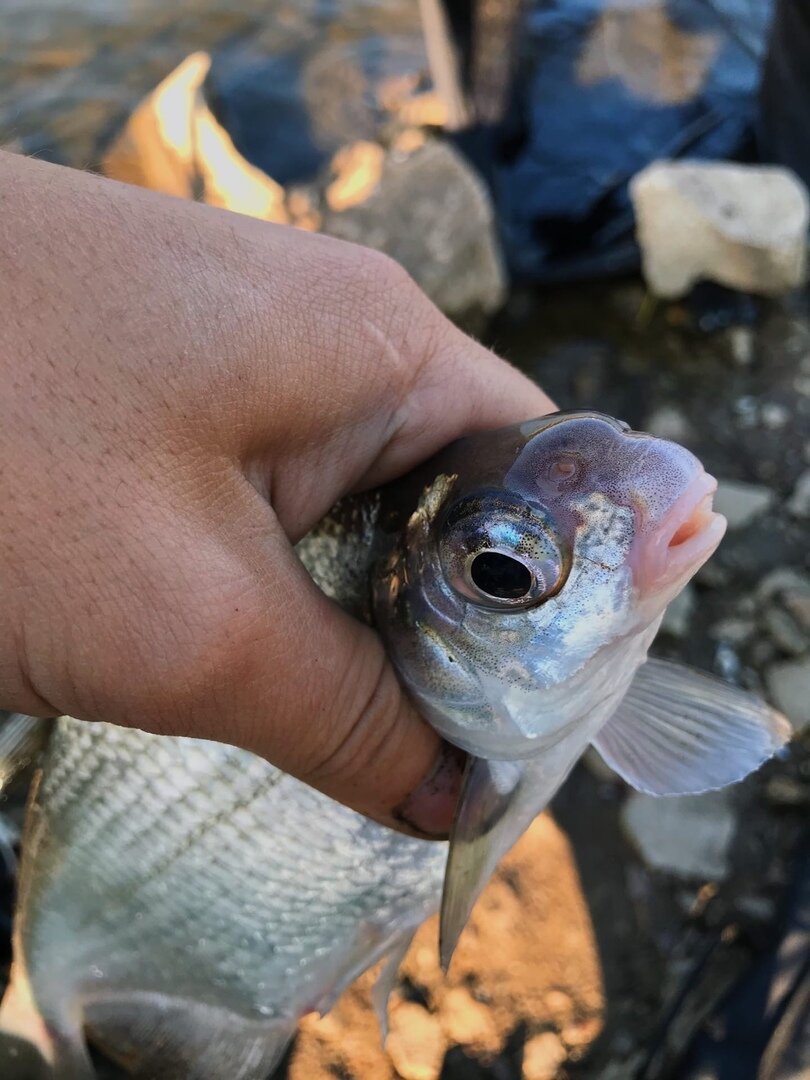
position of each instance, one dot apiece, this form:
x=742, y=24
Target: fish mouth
x=682, y=540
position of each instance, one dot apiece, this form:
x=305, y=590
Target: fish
x=183, y=903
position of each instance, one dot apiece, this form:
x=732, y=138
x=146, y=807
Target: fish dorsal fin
x=680, y=732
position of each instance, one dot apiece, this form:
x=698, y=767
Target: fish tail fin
x=154, y=1035
x=31, y=1048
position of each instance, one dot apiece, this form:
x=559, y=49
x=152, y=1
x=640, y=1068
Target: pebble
x=542, y=1056
x=789, y=686
x=774, y=416
x=688, y=836
x=741, y=342
x=785, y=791
x=740, y=502
x=678, y=614
x=465, y=1021
x=741, y=226
x=415, y=1043
x=785, y=631
x=799, y=502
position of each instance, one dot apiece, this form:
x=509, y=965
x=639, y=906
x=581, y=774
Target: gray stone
x=688, y=836
x=678, y=614
x=789, y=686
x=799, y=502
x=431, y=213
x=740, y=502
x=742, y=226
x=785, y=631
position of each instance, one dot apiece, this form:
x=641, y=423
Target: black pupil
x=500, y=575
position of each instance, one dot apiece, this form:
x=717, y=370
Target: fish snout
x=673, y=545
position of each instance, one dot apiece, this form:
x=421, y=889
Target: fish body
x=185, y=902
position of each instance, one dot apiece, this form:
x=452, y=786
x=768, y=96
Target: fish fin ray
x=386, y=981
x=682, y=732
x=153, y=1034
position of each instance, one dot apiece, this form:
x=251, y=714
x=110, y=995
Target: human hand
x=185, y=392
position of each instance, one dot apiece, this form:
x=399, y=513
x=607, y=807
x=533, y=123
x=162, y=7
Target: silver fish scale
x=219, y=878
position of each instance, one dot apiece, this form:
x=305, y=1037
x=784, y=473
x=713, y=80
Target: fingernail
x=428, y=811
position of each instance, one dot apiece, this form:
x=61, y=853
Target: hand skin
x=184, y=392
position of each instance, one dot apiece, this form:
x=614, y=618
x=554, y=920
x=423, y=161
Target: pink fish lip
x=678, y=545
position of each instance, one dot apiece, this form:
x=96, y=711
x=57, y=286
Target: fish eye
x=500, y=576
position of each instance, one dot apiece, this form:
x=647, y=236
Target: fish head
x=534, y=573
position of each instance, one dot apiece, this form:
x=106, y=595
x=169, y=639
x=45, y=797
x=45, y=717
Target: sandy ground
x=526, y=964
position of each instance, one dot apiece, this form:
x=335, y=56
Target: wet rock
x=789, y=686
x=799, y=502
x=542, y=1056
x=415, y=1043
x=740, y=502
x=739, y=225
x=429, y=211
x=688, y=836
x=679, y=613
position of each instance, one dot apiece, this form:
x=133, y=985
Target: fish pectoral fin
x=386, y=981
x=175, y=1038
x=498, y=802
x=680, y=732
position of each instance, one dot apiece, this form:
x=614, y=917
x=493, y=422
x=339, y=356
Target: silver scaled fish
x=183, y=903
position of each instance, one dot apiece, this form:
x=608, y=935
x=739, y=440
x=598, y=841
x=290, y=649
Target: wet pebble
x=678, y=615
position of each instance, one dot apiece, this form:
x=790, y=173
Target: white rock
x=799, y=502
x=789, y=686
x=688, y=836
x=743, y=226
x=740, y=503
